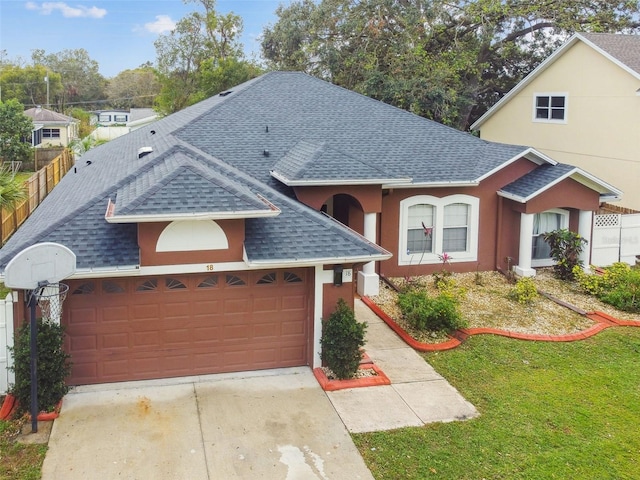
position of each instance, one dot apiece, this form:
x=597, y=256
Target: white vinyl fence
x=6, y=341
x=616, y=238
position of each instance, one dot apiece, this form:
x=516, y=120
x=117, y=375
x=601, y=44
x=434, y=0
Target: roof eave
x=309, y=262
x=511, y=196
x=524, y=82
x=328, y=183
x=170, y=217
x=451, y=184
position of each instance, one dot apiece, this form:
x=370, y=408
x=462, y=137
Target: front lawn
x=18, y=461
x=548, y=410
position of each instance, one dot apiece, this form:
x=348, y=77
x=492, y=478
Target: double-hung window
x=51, y=133
x=420, y=228
x=431, y=226
x=545, y=222
x=550, y=107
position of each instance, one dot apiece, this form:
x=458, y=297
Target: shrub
x=422, y=312
x=524, y=291
x=619, y=286
x=53, y=366
x=566, y=247
x=341, y=341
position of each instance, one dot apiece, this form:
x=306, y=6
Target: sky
x=118, y=34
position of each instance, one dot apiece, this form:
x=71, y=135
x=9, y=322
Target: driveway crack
x=204, y=448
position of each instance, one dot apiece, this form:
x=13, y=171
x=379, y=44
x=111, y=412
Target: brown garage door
x=152, y=327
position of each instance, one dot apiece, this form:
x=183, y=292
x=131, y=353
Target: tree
x=81, y=79
x=28, y=85
x=198, y=55
x=85, y=127
x=442, y=59
x=15, y=127
x=11, y=190
x=133, y=88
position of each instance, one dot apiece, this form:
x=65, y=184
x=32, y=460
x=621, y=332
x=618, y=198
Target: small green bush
x=53, y=366
x=422, y=312
x=524, y=291
x=341, y=341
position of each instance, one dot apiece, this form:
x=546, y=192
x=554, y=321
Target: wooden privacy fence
x=39, y=186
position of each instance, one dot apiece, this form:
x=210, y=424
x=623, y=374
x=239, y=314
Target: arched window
x=431, y=226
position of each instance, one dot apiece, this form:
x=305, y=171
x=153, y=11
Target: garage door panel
x=140, y=312
x=266, y=331
x=176, y=309
x=115, y=340
x=84, y=316
x=207, y=308
x=239, y=305
x=265, y=305
x=294, y=302
x=188, y=325
x=145, y=339
x=116, y=313
x=79, y=343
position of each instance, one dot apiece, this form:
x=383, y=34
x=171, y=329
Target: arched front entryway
x=358, y=208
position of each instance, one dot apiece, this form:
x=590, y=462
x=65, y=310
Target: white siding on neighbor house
x=6, y=341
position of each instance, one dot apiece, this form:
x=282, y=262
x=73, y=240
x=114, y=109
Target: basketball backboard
x=43, y=262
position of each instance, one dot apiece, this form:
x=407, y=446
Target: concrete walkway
x=417, y=394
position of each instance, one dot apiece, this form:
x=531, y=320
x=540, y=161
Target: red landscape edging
x=603, y=320
x=332, y=385
x=8, y=406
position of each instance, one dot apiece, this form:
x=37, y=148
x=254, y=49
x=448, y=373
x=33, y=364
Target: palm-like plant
x=12, y=191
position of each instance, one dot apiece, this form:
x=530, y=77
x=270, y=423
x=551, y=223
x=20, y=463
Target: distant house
x=581, y=106
x=52, y=129
x=217, y=238
x=107, y=118
x=115, y=123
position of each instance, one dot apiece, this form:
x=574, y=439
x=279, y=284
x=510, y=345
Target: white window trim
x=564, y=223
x=471, y=255
x=551, y=94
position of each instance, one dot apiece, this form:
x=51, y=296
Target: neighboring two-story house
x=581, y=106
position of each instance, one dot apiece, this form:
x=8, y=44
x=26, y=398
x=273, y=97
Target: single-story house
x=217, y=238
x=52, y=129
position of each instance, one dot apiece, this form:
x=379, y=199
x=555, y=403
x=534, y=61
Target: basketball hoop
x=50, y=298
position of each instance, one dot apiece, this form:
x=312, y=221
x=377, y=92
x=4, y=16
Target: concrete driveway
x=276, y=424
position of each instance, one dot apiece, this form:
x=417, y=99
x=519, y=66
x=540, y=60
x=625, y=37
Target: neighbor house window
x=550, y=107
x=120, y=118
x=104, y=118
x=50, y=133
x=431, y=226
x=543, y=223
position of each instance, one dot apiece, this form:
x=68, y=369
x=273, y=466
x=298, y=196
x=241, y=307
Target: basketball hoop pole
x=33, y=269
x=33, y=344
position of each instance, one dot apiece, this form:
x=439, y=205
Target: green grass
x=17, y=461
x=548, y=410
x=23, y=176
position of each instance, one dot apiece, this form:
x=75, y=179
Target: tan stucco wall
x=602, y=131
x=67, y=134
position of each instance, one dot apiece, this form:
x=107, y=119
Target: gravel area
x=485, y=303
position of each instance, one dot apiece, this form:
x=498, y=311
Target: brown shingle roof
x=625, y=48
x=42, y=115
